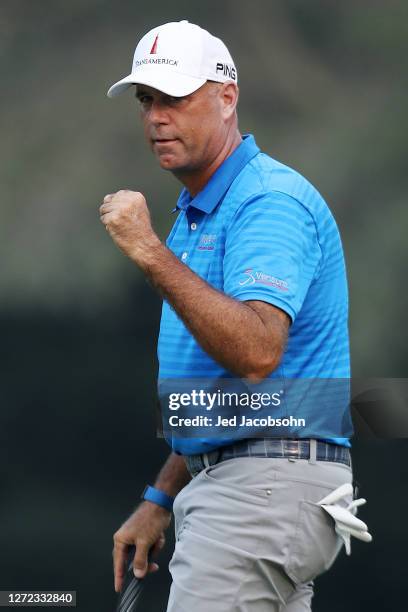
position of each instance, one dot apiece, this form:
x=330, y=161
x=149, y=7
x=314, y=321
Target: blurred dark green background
x=324, y=89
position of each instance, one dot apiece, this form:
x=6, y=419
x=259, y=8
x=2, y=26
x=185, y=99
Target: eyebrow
x=139, y=93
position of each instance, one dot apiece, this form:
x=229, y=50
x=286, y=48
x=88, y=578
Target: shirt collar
x=216, y=188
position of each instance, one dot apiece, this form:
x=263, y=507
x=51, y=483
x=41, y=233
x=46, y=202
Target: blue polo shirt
x=259, y=230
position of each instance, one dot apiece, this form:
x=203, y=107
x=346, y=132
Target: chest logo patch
x=207, y=242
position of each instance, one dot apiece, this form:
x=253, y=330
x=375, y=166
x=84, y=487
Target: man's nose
x=158, y=113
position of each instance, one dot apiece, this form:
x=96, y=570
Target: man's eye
x=174, y=99
x=144, y=99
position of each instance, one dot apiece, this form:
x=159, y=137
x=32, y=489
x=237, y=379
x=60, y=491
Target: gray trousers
x=250, y=537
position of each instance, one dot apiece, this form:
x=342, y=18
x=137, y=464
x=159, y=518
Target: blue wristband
x=158, y=497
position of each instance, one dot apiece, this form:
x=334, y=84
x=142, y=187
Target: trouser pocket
x=314, y=545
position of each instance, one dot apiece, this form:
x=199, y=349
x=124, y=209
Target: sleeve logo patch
x=252, y=277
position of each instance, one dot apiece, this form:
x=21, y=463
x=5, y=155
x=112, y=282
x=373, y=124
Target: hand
x=127, y=219
x=144, y=529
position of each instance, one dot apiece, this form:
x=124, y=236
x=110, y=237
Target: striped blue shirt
x=259, y=230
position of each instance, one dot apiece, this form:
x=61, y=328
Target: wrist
x=155, y=510
x=145, y=255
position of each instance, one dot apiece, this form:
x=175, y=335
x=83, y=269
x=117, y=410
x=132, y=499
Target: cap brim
x=170, y=83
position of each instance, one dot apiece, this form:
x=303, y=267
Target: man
x=255, y=250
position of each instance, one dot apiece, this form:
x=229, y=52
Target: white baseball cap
x=177, y=58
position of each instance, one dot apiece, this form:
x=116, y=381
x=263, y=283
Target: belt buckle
x=291, y=449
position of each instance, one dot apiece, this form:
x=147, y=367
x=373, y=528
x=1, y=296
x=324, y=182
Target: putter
x=130, y=594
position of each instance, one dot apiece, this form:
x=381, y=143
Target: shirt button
x=193, y=226
x=184, y=255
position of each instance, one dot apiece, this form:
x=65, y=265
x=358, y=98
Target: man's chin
x=169, y=162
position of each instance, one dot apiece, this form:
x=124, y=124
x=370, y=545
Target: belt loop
x=312, y=452
x=205, y=460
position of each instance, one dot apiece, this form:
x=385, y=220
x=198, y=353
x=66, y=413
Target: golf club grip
x=130, y=594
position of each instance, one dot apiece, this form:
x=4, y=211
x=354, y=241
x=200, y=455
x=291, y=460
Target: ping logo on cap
x=227, y=70
x=154, y=47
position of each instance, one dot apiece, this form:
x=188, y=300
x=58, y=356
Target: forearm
x=240, y=336
x=173, y=476
x=211, y=316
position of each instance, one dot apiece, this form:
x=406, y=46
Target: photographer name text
x=205, y=421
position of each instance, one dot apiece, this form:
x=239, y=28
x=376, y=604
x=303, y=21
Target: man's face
x=184, y=133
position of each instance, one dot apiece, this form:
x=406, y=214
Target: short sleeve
x=272, y=252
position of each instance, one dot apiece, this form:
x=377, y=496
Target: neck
x=196, y=180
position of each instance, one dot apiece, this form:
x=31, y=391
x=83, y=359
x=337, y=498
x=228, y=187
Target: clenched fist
x=127, y=219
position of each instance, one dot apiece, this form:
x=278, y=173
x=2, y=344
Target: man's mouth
x=163, y=140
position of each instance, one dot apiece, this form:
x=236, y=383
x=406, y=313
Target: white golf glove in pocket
x=346, y=523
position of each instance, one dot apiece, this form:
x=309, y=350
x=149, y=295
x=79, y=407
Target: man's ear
x=229, y=94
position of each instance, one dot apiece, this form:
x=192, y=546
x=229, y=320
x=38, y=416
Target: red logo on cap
x=154, y=48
